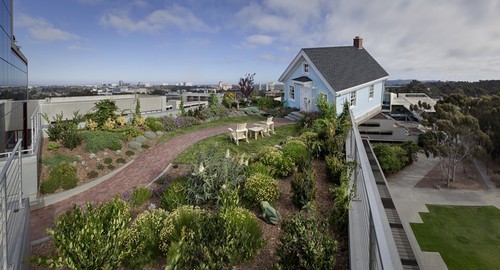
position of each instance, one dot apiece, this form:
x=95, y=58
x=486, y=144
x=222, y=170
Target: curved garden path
x=145, y=168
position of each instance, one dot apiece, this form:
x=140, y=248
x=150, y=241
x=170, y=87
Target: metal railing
x=36, y=135
x=10, y=201
x=371, y=244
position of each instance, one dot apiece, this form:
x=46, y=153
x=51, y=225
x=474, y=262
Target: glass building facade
x=13, y=77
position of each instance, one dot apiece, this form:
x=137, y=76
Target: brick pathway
x=148, y=165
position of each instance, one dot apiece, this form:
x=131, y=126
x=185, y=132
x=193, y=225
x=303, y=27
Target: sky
x=207, y=41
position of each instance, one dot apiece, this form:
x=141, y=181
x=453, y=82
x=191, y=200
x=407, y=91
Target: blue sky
x=207, y=41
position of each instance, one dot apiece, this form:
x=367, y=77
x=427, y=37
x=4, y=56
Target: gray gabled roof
x=345, y=67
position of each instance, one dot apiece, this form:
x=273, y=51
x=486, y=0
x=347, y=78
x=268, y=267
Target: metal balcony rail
x=371, y=242
x=10, y=201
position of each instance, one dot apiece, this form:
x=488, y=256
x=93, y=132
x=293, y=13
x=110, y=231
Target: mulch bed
x=470, y=178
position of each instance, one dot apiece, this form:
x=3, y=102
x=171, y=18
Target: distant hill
x=439, y=88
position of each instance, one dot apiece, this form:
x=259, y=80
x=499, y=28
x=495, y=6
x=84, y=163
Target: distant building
x=187, y=83
x=225, y=86
x=383, y=128
x=407, y=106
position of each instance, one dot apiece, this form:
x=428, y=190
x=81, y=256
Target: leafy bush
x=144, y=146
x=170, y=123
x=128, y=132
x=314, y=144
x=150, y=135
x=91, y=239
x=104, y=110
x=99, y=140
x=71, y=139
x=303, y=188
x=143, y=238
x=342, y=196
x=295, y=150
x=266, y=102
x=261, y=187
x=154, y=124
x=140, y=195
x=174, y=194
x=334, y=167
x=305, y=243
x=281, y=166
x=49, y=186
x=204, y=185
x=134, y=145
x=92, y=174
x=111, y=167
x=52, y=146
x=259, y=167
x=392, y=158
x=108, y=160
x=213, y=113
x=59, y=126
x=100, y=167
x=57, y=158
x=120, y=161
x=65, y=174
x=130, y=153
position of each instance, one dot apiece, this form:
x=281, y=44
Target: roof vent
x=358, y=42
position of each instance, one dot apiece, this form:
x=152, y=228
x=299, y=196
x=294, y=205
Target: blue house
x=341, y=74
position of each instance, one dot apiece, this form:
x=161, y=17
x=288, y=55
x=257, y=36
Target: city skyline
x=204, y=42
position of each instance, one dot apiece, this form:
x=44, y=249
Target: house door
x=306, y=96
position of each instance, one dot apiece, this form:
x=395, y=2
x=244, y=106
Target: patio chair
x=268, y=126
x=241, y=133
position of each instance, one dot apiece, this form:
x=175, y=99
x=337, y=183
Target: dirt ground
x=465, y=178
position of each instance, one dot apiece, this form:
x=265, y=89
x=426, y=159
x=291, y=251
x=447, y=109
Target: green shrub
x=140, y=195
x=204, y=187
x=280, y=165
x=130, y=153
x=150, y=135
x=305, y=243
x=145, y=146
x=392, y=158
x=261, y=187
x=100, y=167
x=128, y=132
x=154, y=124
x=174, y=194
x=144, y=238
x=295, y=150
x=134, y=145
x=314, y=144
x=52, y=146
x=57, y=158
x=60, y=126
x=71, y=139
x=93, y=174
x=120, y=160
x=65, y=174
x=99, y=140
x=108, y=160
x=303, y=188
x=91, y=239
x=111, y=167
x=266, y=102
x=259, y=167
x=104, y=109
x=334, y=168
x=342, y=197
x=49, y=186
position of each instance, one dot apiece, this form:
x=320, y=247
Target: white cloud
x=258, y=40
x=409, y=38
x=174, y=17
x=42, y=30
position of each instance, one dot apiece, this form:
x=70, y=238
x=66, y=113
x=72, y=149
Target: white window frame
x=371, y=92
x=353, y=99
x=322, y=94
x=305, y=68
x=291, y=92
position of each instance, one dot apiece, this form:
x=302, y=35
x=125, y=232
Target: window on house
x=353, y=98
x=323, y=95
x=306, y=68
x=371, y=93
x=291, y=92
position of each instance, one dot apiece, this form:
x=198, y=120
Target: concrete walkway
x=145, y=168
x=410, y=200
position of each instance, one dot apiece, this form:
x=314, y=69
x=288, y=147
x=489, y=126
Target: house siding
x=364, y=104
x=317, y=86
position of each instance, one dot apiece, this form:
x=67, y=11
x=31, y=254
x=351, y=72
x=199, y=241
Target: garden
x=280, y=202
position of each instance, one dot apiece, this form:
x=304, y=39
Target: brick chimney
x=358, y=42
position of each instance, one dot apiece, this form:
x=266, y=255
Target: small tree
x=246, y=85
x=104, y=110
x=213, y=100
